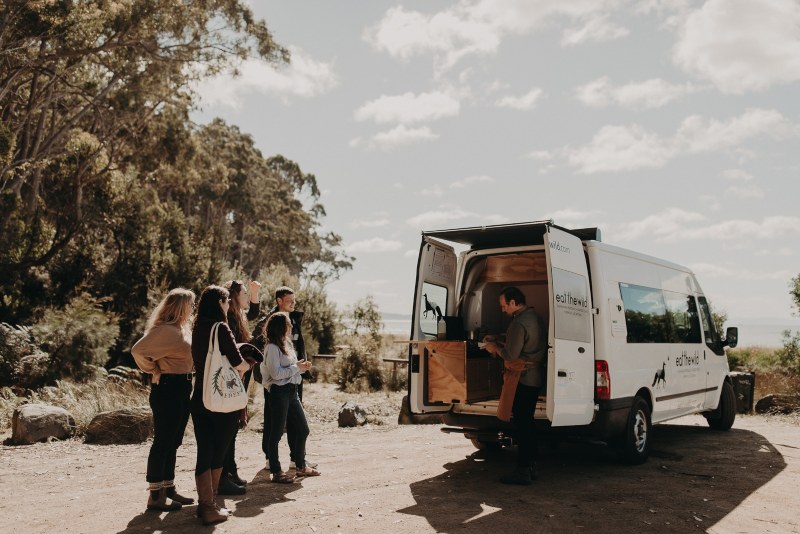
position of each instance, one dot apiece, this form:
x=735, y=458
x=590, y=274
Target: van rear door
x=434, y=297
x=570, y=362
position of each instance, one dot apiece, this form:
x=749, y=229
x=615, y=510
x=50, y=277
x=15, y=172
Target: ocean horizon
x=752, y=332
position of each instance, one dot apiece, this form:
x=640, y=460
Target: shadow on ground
x=694, y=477
x=261, y=493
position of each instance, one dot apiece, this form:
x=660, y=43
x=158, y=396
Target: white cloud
x=447, y=215
x=653, y=93
x=737, y=174
x=435, y=191
x=400, y=136
x=709, y=270
x=408, y=108
x=303, y=77
x=526, y=101
x=621, y=148
x=470, y=27
x=742, y=45
x=540, y=155
x=666, y=225
x=376, y=244
x=470, y=180
x=598, y=29
x=571, y=217
x=369, y=223
x=745, y=191
x=625, y=148
x=676, y=224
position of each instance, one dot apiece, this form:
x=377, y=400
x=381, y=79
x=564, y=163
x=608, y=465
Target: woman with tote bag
x=214, y=430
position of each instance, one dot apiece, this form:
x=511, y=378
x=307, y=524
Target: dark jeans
x=169, y=400
x=229, y=465
x=213, y=431
x=268, y=426
x=285, y=410
x=523, y=409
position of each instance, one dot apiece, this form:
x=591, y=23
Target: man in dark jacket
x=285, y=301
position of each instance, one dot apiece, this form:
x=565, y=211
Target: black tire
x=723, y=417
x=488, y=446
x=636, y=441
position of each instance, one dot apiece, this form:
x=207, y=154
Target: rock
x=778, y=404
x=131, y=425
x=122, y=373
x=39, y=422
x=407, y=418
x=352, y=414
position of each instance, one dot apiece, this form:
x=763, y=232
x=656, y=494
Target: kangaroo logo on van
x=661, y=376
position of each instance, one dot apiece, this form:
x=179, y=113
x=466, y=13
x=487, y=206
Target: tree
x=365, y=314
x=794, y=291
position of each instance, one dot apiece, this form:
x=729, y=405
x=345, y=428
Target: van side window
x=684, y=319
x=710, y=333
x=432, y=306
x=645, y=314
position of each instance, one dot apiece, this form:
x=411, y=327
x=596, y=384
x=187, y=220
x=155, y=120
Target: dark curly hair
x=208, y=308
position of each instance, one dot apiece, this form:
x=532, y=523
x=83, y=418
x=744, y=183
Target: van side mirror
x=731, y=337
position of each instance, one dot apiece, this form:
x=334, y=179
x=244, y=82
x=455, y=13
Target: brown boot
x=216, y=475
x=158, y=501
x=206, y=509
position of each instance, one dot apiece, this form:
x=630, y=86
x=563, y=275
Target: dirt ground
x=390, y=478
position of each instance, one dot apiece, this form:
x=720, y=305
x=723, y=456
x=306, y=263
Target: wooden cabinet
x=457, y=371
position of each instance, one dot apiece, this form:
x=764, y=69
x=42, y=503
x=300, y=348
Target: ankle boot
x=158, y=501
x=173, y=494
x=216, y=474
x=228, y=486
x=233, y=475
x=206, y=508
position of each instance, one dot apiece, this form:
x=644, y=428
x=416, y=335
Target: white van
x=631, y=340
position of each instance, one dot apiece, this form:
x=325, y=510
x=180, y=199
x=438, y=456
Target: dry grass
x=82, y=400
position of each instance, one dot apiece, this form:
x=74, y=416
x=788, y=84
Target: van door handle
x=562, y=374
x=581, y=350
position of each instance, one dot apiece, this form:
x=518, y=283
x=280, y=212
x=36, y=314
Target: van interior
x=456, y=372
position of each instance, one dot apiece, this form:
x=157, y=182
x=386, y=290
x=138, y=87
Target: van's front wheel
x=636, y=441
x=722, y=418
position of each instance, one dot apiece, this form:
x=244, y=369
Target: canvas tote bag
x=223, y=390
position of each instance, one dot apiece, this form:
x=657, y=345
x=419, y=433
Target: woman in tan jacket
x=165, y=352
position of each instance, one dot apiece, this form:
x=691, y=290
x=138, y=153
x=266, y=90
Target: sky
x=673, y=126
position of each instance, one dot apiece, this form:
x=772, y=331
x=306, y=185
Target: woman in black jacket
x=213, y=430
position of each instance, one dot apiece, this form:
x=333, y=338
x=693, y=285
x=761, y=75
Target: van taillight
x=602, y=380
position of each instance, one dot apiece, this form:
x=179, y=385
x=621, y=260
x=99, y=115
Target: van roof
x=508, y=235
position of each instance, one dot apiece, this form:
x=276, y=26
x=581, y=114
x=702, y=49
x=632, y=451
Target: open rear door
x=570, y=359
x=435, y=296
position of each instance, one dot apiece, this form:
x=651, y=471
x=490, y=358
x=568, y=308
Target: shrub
x=788, y=356
x=76, y=337
x=358, y=369
x=16, y=343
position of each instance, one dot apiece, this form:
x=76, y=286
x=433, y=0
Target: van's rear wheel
x=636, y=442
x=722, y=418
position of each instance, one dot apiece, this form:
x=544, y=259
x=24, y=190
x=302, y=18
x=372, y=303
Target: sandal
x=282, y=478
x=307, y=472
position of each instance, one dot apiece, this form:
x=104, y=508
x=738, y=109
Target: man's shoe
x=520, y=476
x=234, y=476
x=177, y=497
x=158, y=501
x=228, y=487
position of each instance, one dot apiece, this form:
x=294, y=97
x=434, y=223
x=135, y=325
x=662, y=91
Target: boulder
x=40, y=422
x=352, y=414
x=131, y=425
x=778, y=404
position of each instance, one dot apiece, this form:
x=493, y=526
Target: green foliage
x=365, y=316
x=719, y=317
x=76, y=337
x=358, y=369
x=794, y=291
x=22, y=363
x=788, y=355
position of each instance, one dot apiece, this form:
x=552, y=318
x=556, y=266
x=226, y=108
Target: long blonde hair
x=174, y=309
